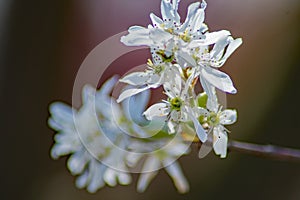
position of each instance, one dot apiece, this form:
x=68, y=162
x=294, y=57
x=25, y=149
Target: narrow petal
x=156, y=110
x=220, y=142
x=210, y=38
x=149, y=171
x=124, y=178
x=212, y=101
x=175, y=172
x=198, y=127
x=110, y=177
x=228, y=117
x=82, y=180
x=156, y=21
x=230, y=49
x=175, y=4
x=136, y=78
x=107, y=87
x=218, y=49
x=77, y=162
x=166, y=10
x=192, y=9
x=137, y=106
x=173, y=86
x=130, y=92
x=137, y=36
x=132, y=159
x=61, y=113
x=96, y=176
x=171, y=127
x=196, y=21
x=218, y=79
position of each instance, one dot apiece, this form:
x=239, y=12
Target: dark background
x=44, y=42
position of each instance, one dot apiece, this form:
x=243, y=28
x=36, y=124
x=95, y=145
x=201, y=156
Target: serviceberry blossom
x=153, y=77
x=107, y=138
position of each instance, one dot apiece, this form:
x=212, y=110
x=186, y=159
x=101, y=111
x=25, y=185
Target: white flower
x=153, y=77
x=216, y=119
x=206, y=64
x=168, y=35
x=179, y=106
x=80, y=135
x=169, y=27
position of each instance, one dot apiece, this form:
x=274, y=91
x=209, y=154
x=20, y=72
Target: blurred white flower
x=80, y=134
x=166, y=158
x=99, y=138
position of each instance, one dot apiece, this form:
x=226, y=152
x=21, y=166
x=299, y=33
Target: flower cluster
x=182, y=54
x=108, y=139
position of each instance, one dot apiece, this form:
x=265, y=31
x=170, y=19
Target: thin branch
x=267, y=151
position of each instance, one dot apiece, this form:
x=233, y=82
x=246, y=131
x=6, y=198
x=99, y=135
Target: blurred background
x=43, y=43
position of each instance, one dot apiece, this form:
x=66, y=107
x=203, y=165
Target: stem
x=267, y=151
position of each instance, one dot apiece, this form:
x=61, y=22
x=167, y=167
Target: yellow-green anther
x=175, y=103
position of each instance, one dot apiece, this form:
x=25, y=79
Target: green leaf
x=202, y=100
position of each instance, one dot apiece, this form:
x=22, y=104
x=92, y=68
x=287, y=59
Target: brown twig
x=267, y=151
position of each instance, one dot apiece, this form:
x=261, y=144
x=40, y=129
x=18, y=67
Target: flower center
x=213, y=119
x=185, y=36
x=165, y=57
x=175, y=103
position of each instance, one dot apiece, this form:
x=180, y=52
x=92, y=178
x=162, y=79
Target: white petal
x=133, y=158
x=231, y=48
x=171, y=127
x=219, y=47
x=175, y=4
x=159, y=36
x=198, y=127
x=178, y=178
x=200, y=111
x=136, y=78
x=110, y=177
x=137, y=105
x=156, y=110
x=81, y=180
x=228, y=117
x=130, y=92
x=210, y=38
x=137, y=36
x=77, y=162
x=212, y=101
x=166, y=9
x=185, y=57
x=196, y=21
x=148, y=173
x=192, y=9
x=107, y=87
x=88, y=94
x=206, y=147
x=220, y=142
x=61, y=113
x=218, y=79
x=173, y=86
x=141, y=29
x=156, y=21
x=124, y=178
x=95, y=176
